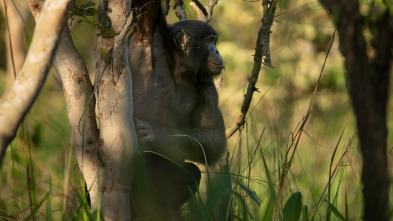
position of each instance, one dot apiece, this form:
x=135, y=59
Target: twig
x=204, y=13
x=295, y=138
x=210, y=7
x=199, y=15
x=333, y=175
x=201, y=7
x=28, y=179
x=262, y=51
x=179, y=11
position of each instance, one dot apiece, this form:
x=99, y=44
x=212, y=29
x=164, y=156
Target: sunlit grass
x=326, y=165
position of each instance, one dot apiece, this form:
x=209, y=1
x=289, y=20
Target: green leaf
x=106, y=21
x=103, y=51
x=293, y=207
x=88, y=4
x=80, y=13
x=91, y=12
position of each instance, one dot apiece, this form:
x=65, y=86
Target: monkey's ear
x=180, y=39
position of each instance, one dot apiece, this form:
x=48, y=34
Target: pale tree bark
x=105, y=156
x=17, y=100
x=115, y=111
x=14, y=14
x=78, y=92
x=204, y=13
x=179, y=10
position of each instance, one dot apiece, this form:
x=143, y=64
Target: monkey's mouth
x=215, y=63
x=215, y=68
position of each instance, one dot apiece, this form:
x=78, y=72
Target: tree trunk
x=368, y=80
x=105, y=158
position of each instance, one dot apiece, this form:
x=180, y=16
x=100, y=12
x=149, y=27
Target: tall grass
x=277, y=168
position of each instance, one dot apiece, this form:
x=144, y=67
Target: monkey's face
x=214, y=63
x=196, y=42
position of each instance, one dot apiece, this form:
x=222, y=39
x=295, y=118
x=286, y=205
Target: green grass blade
x=251, y=193
x=242, y=206
x=203, y=152
x=263, y=207
x=346, y=207
x=49, y=202
x=268, y=216
x=328, y=208
x=84, y=200
x=305, y=213
x=269, y=178
x=338, y=187
x=336, y=212
x=37, y=206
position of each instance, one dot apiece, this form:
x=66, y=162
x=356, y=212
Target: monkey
x=175, y=109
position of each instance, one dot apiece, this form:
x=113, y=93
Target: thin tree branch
x=262, y=55
x=78, y=91
x=201, y=7
x=17, y=101
x=179, y=10
x=204, y=13
x=209, y=9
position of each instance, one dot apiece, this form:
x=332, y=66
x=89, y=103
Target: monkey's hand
x=145, y=132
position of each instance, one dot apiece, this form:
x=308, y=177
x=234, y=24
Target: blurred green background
x=301, y=34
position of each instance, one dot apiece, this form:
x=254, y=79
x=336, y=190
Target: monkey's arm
x=207, y=128
x=205, y=137
x=149, y=18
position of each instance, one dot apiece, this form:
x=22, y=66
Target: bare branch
x=179, y=11
x=209, y=9
x=204, y=13
x=17, y=101
x=262, y=55
x=198, y=11
x=78, y=92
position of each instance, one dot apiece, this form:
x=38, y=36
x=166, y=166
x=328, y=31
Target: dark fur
x=174, y=94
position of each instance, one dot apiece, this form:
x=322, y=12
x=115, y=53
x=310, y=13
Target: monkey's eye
x=211, y=40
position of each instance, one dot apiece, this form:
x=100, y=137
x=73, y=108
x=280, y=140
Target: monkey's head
x=195, y=42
